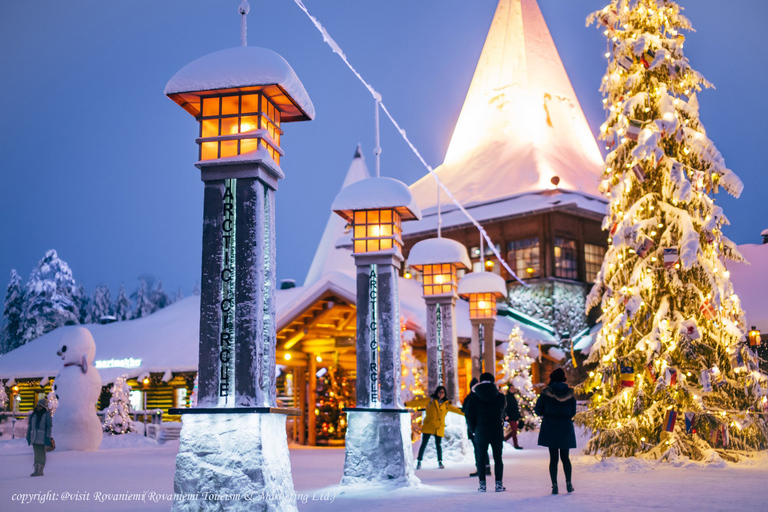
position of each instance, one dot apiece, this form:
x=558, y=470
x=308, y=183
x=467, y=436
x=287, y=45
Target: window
x=482, y=305
x=593, y=257
x=490, y=260
x=180, y=397
x=136, y=397
x=523, y=257
x=566, y=263
x=376, y=230
x=226, y=122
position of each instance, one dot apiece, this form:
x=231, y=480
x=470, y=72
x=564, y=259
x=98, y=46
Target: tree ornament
x=627, y=377
x=643, y=246
x=625, y=62
x=670, y=419
x=670, y=376
x=690, y=418
x=639, y=173
x=671, y=257
x=708, y=310
x=634, y=129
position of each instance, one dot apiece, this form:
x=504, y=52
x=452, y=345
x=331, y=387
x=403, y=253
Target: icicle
x=244, y=9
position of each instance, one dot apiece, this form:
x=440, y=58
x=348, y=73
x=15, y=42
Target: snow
x=607, y=484
x=482, y=282
x=521, y=123
x=438, y=250
x=750, y=281
x=243, y=66
x=373, y=193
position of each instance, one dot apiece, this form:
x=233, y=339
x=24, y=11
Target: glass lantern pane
x=386, y=244
x=230, y=105
x=210, y=107
x=228, y=148
x=386, y=230
x=250, y=103
x=386, y=216
x=248, y=123
x=373, y=217
x=360, y=246
x=229, y=126
x=248, y=145
x=359, y=231
x=210, y=128
x=359, y=218
x=209, y=150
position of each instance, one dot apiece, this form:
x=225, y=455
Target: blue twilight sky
x=97, y=163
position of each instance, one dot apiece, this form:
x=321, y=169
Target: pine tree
x=3, y=397
x=674, y=373
x=117, y=418
x=179, y=296
x=100, y=305
x=144, y=306
x=10, y=336
x=50, y=299
x=334, y=392
x=53, y=402
x=159, y=298
x=82, y=304
x=412, y=376
x=122, y=306
x=516, y=369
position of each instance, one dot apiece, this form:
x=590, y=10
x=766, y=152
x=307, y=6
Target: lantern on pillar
x=439, y=259
x=754, y=337
x=482, y=289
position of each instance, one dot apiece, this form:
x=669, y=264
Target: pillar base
x=240, y=460
x=456, y=445
x=378, y=449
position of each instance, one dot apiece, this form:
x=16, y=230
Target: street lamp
x=482, y=289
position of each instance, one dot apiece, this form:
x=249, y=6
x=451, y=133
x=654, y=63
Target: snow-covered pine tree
x=117, y=418
x=159, y=298
x=81, y=303
x=49, y=299
x=516, y=370
x=53, y=402
x=412, y=374
x=179, y=296
x=674, y=373
x=100, y=305
x=144, y=306
x=10, y=336
x=123, y=306
x=3, y=396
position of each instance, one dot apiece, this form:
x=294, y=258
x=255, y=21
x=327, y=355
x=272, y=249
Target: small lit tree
x=117, y=419
x=516, y=370
x=334, y=392
x=53, y=402
x=3, y=396
x=412, y=378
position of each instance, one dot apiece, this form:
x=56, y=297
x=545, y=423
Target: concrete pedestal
x=378, y=449
x=233, y=462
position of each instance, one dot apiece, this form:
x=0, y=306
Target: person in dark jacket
x=484, y=414
x=512, y=413
x=470, y=435
x=39, y=434
x=557, y=406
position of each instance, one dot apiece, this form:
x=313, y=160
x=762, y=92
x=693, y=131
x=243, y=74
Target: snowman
x=77, y=388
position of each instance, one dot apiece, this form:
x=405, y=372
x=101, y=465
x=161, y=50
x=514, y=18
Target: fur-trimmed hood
x=486, y=391
x=559, y=391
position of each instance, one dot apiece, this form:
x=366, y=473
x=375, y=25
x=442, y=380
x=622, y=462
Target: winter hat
x=557, y=375
x=486, y=377
x=43, y=403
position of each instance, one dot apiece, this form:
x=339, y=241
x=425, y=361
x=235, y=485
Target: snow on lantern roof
x=521, y=124
x=482, y=282
x=376, y=193
x=240, y=69
x=433, y=251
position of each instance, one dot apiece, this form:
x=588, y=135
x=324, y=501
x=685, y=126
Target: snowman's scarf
x=83, y=364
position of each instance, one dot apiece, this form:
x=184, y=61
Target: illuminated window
x=482, y=305
x=523, y=257
x=566, y=262
x=136, y=398
x=490, y=265
x=227, y=121
x=376, y=230
x=180, y=399
x=593, y=257
x=439, y=279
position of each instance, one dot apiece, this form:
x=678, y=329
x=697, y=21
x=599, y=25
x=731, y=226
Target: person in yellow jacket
x=437, y=407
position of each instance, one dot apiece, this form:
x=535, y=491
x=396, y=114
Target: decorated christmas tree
x=117, y=419
x=53, y=402
x=412, y=374
x=3, y=397
x=516, y=371
x=334, y=392
x=674, y=373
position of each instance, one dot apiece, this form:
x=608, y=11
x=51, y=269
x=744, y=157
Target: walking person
x=39, y=434
x=512, y=413
x=437, y=406
x=470, y=435
x=557, y=407
x=484, y=414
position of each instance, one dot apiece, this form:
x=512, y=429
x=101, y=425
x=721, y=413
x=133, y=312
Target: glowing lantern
x=482, y=289
x=754, y=337
x=376, y=207
x=439, y=259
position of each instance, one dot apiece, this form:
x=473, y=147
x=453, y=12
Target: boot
x=481, y=488
x=500, y=486
x=473, y=474
x=518, y=447
x=418, y=464
x=40, y=473
x=554, y=488
x=440, y=465
x=34, y=473
x=568, y=486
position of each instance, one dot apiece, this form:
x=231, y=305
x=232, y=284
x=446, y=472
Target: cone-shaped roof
x=330, y=256
x=521, y=124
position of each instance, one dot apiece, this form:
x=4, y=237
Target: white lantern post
x=482, y=289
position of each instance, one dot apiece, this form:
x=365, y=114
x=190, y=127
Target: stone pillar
x=474, y=350
x=489, y=348
x=378, y=440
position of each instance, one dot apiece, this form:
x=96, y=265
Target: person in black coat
x=557, y=407
x=470, y=435
x=485, y=419
x=512, y=413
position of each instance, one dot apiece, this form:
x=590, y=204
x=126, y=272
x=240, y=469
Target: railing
x=14, y=416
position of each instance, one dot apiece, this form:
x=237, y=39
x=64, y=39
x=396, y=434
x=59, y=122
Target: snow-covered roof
x=522, y=204
x=433, y=251
x=482, y=282
x=332, y=256
x=521, y=124
x=373, y=193
x=239, y=68
x=764, y=232
x=750, y=282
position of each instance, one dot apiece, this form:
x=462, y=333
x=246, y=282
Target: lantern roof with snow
x=435, y=251
x=243, y=68
x=482, y=282
x=376, y=194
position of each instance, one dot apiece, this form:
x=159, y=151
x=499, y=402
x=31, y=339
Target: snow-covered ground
x=131, y=464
